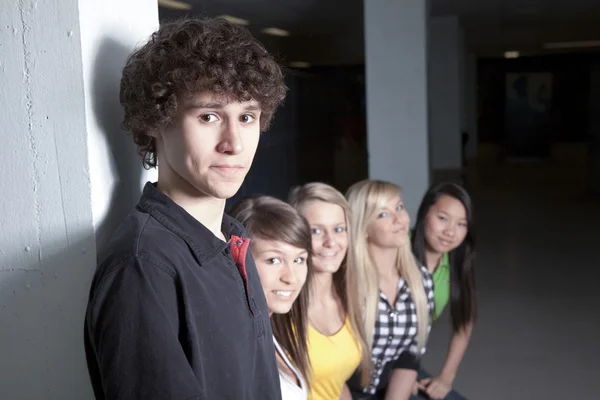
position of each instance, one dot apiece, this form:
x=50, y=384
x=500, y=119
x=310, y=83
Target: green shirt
x=441, y=286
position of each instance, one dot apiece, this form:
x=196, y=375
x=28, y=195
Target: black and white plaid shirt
x=395, y=334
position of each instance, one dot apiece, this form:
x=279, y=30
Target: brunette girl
x=281, y=248
x=444, y=241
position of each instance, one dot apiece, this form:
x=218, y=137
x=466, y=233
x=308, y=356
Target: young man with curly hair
x=176, y=310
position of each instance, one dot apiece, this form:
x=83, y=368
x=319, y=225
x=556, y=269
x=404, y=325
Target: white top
x=289, y=389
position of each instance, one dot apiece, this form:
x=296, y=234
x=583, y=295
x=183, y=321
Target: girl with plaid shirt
x=398, y=292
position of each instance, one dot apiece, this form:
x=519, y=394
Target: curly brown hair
x=189, y=56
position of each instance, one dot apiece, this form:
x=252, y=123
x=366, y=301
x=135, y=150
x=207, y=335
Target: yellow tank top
x=333, y=361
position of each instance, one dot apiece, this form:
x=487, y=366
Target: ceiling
x=324, y=31
x=301, y=17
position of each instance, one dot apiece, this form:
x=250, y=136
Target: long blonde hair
x=345, y=279
x=365, y=198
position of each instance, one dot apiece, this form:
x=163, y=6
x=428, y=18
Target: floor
x=538, y=335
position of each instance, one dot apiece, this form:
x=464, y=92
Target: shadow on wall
x=125, y=164
x=43, y=296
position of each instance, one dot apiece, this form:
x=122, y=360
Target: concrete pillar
x=594, y=154
x=446, y=95
x=396, y=86
x=462, y=76
x=472, y=106
x=64, y=158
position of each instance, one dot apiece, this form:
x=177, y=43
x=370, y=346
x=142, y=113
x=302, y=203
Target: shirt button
x=392, y=315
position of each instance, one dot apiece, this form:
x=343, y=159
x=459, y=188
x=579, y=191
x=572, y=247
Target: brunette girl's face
x=329, y=235
x=446, y=225
x=282, y=269
x=389, y=227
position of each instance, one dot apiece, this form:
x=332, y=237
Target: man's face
x=211, y=144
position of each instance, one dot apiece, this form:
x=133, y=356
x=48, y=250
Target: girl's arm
x=456, y=351
x=439, y=387
x=346, y=395
x=401, y=384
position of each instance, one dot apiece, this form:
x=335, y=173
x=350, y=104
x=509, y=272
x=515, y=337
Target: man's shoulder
x=141, y=238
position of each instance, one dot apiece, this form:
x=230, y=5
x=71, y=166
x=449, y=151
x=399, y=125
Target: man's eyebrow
x=201, y=104
x=252, y=107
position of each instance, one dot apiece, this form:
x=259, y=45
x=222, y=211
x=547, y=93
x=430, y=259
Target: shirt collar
x=444, y=261
x=199, y=238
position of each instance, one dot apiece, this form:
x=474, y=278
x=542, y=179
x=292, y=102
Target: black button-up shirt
x=176, y=313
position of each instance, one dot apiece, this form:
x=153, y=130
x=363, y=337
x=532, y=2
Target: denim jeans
x=452, y=395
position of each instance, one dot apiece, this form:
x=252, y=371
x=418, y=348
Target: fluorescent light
x=572, y=45
x=299, y=64
x=276, y=32
x=174, y=4
x=511, y=54
x=235, y=20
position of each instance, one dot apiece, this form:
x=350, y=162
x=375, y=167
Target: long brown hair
x=345, y=279
x=268, y=218
x=463, y=288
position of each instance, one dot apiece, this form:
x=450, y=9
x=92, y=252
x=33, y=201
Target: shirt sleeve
x=132, y=324
x=410, y=359
x=406, y=360
x=429, y=291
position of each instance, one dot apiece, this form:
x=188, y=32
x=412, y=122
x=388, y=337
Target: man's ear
x=157, y=135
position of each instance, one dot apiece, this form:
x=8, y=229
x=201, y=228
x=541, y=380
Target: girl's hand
x=436, y=388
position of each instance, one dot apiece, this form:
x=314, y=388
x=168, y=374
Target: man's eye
x=247, y=118
x=208, y=118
